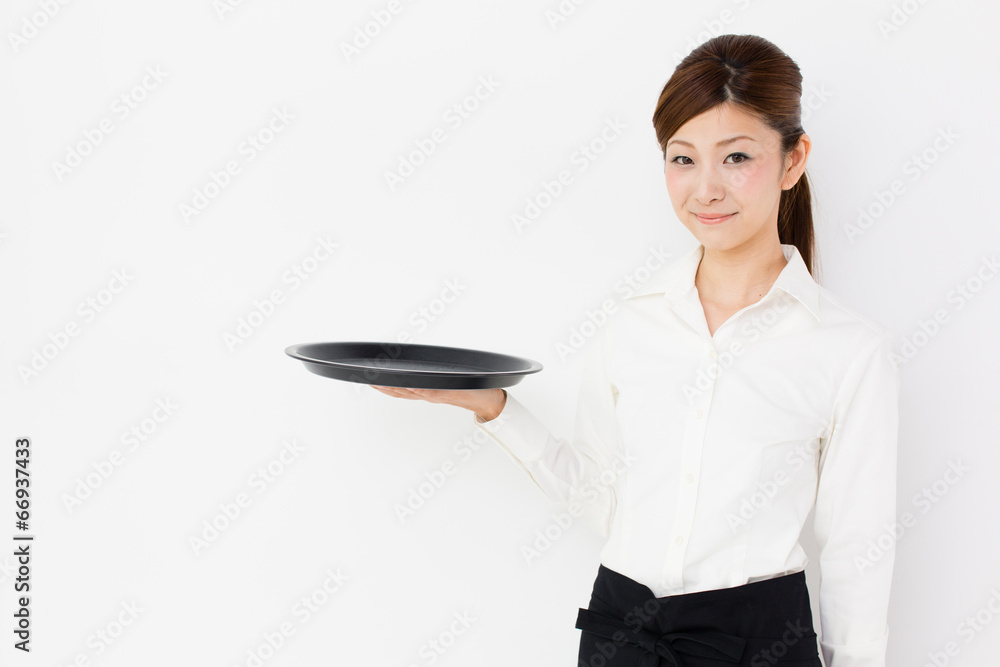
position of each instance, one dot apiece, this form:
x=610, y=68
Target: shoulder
x=839, y=313
x=854, y=331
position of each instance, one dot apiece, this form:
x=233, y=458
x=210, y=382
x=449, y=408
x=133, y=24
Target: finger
x=403, y=390
x=400, y=392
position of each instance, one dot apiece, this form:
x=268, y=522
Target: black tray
x=412, y=365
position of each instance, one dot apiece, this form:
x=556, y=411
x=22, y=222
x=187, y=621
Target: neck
x=739, y=275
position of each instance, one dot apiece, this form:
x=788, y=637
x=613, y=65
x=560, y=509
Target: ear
x=795, y=162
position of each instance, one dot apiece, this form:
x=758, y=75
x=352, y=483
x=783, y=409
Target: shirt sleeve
x=580, y=473
x=856, y=509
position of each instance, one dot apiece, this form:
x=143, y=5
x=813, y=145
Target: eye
x=743, y=157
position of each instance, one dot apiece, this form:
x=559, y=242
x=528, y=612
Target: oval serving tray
x=412, y=365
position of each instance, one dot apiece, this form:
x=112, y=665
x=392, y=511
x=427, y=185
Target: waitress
x=722, y=402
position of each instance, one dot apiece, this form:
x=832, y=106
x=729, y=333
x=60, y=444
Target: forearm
x=492, y=406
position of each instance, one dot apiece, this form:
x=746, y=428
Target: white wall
x=877, y=100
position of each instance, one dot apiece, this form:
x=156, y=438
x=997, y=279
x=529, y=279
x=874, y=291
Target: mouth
x=713, y=219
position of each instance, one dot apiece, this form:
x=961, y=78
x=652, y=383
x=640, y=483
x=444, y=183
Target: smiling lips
x=713, y=219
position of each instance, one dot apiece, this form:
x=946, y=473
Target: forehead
x=721, y=122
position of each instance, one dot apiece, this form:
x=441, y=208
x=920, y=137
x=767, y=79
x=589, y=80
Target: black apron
x=759, y=624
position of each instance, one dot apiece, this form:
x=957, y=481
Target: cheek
x=749, y=179
x=676, y=186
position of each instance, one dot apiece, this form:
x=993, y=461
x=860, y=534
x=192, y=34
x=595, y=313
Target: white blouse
x=699, y=456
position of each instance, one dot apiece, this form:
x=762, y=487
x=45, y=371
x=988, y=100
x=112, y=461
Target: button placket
x=693, y=446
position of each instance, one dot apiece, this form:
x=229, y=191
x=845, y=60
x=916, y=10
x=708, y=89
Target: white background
x=875, y=101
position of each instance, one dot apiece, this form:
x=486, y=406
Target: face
x=711, y=174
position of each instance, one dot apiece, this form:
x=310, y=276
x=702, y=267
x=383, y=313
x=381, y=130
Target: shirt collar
x=676, y=280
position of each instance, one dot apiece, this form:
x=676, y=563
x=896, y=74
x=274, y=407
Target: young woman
x=721, y=403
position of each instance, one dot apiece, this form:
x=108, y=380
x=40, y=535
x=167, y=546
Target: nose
x=708, y=186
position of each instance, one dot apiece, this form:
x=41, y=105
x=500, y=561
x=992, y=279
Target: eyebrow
x=721, y=143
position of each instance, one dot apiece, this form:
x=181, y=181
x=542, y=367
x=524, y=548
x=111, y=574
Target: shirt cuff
x=868, y=654
x=517, y=430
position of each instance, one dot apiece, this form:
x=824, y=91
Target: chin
x=710, y=238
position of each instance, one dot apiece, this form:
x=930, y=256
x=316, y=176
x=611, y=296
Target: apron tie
x=708, y=644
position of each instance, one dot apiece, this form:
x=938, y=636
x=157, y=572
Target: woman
x=721, y=402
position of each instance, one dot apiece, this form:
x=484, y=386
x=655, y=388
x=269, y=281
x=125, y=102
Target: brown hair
x=756, y=76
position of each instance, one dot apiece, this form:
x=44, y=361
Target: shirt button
x=679, y=540
x=689, y=478
x=698, y=413
x=712, y=354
